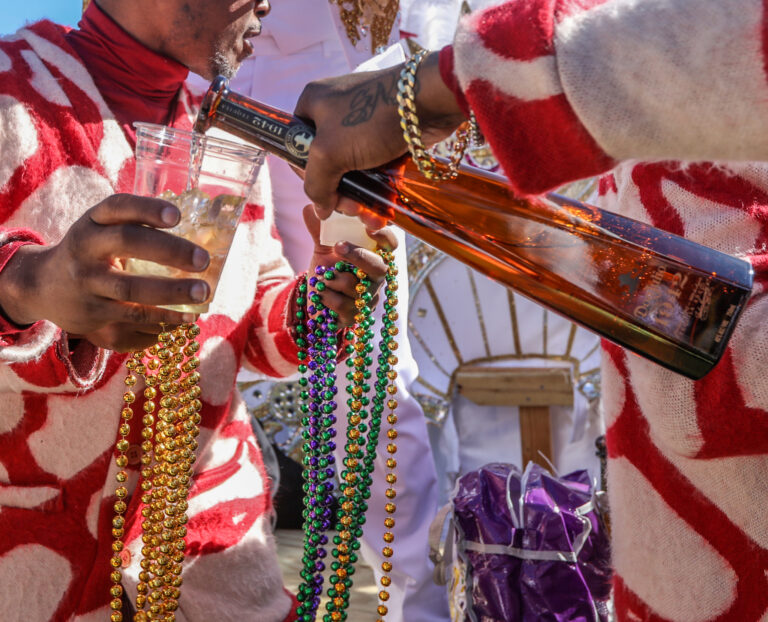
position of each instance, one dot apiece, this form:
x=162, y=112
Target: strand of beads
x=385, y=386
x=120, y=506
x=356, y=477
x=317, y=343
x=168, y=455
x=360, y=449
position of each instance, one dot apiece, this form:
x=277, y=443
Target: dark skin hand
x=358, y=126
x=340, y=292
x=79, y=284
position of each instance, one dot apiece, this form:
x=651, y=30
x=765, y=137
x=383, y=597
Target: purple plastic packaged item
x=529, y=547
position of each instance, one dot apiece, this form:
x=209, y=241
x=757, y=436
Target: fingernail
x=200, y=258
x=199, y=291
x=169, y=215
x=343, y=248
x=188, y=318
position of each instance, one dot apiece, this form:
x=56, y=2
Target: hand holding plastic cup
x=208, y=179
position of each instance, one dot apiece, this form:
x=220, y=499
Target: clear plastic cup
x=208, y=179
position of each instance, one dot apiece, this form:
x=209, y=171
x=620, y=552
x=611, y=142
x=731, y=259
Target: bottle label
x=294, y=137
x=682, y=305
x=252, y=120
x=298, y=138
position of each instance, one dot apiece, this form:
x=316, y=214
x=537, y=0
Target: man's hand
x=79, y=284
x=340, y=293
x=358, y=126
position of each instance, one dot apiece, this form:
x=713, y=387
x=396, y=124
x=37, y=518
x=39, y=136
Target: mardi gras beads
x=317, y=341
x=356, y=476
x=168, y=453
x=387, y=389
x=364, y=419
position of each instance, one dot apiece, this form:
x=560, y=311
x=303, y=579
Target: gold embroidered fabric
x=361, y=17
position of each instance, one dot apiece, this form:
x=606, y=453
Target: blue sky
x=16, y=13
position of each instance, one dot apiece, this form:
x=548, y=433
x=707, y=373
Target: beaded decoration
x=168, y=453
x=360, y=16
x=318, y=343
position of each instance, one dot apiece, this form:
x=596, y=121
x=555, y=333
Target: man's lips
x=252, y=32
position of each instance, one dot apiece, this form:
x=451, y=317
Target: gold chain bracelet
x=409, y=122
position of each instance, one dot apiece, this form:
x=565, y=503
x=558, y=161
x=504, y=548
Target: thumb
x=321, y=179
x=312, y=222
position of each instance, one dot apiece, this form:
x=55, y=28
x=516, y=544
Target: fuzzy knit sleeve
x=564, y=89
x=271, y=347
x=11, y=240
x=41, y=192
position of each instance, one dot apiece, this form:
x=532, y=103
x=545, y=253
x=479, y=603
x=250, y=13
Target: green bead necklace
x=318, y=346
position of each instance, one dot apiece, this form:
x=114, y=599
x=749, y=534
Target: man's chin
x=220, y=65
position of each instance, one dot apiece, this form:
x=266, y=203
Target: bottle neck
x=274, y=130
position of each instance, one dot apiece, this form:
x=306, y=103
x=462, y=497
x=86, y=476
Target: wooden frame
x=532, y=389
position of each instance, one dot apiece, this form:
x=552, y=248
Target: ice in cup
x=208, y=179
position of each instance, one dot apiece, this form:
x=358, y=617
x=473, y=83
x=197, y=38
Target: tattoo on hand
x=367, y=98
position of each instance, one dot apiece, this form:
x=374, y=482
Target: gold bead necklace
x=168, y=454
x=391, y=331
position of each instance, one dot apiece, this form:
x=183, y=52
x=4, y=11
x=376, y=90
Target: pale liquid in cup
x=209, y=222
x=209, y=180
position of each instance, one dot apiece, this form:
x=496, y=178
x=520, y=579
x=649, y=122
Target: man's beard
x=221, y=66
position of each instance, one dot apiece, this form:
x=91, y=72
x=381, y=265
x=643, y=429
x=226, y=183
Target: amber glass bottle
x=666, y=298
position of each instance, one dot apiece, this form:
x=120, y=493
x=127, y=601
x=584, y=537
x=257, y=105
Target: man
x=68, y=99
x=304, y=40
x=565, y=90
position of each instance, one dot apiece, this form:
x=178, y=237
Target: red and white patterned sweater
x=62, y=152
x=566, y=89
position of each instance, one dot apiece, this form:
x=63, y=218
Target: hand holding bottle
x=79, y=285
x=669, y=299
x=358, y=126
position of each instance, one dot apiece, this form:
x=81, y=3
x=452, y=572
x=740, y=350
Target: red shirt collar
x=137, y=83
